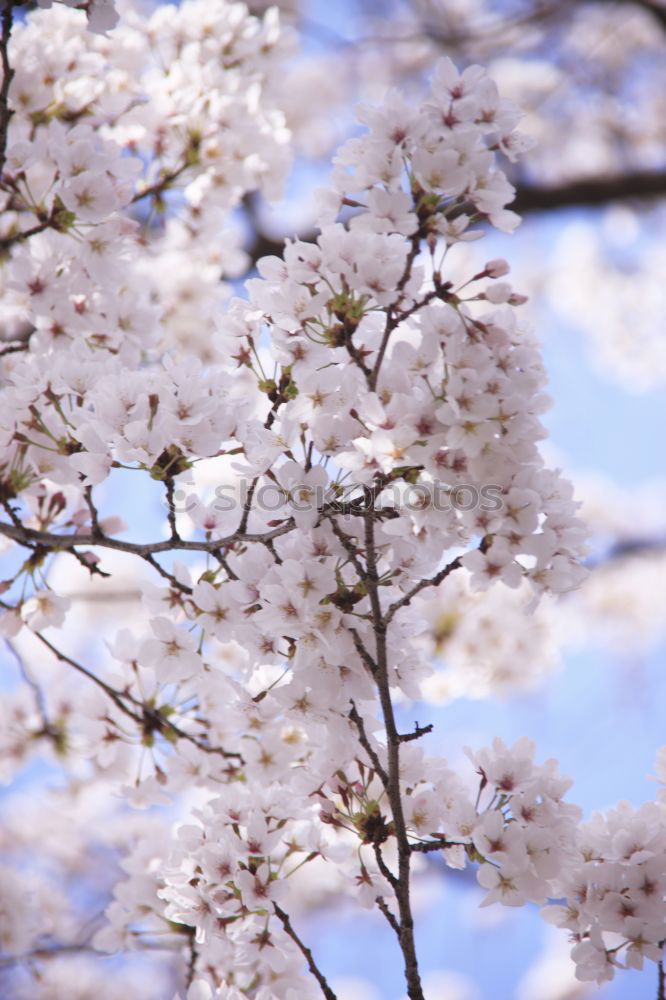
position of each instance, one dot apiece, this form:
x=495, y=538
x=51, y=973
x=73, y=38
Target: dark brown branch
x=432, y=581
x=7, y=241
x=115, y=696
x=171, y=508
x=161, y=185
x=193, y=956
x=402, y=884
x=348, y=546
x=305, y=951
x=7, y=75
x=247, y=507
x=381, y=903
x=139, y=712
x=92, y=568
x=367, y=746
x=61, y=543
x=94, y=516
x=392, y=319
x=416, y=734
x=640, y=184
x=384, y=869
x=362, y=652
x=13, y=347
x=175, y=583
x=426, y=847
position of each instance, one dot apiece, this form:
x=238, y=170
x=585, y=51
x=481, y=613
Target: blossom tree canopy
x=331, y=477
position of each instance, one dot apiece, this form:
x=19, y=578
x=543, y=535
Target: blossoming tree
x=362, y=431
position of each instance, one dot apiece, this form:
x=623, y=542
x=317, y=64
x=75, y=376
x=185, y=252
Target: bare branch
x=362, y=651
x=381, y=903
x=161, y=185
x=402, y=885
x=383, y=867
x=416, y=734
x=140, y=712
x=61, y=543
x=367, y=746
x=432, y=581
x=19, y=237
x=7, y=75
x=183, y=587
x=305, y=951
x=640, y=185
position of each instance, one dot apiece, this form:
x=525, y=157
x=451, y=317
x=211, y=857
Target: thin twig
x=384, y=868
x=175, y=583
x=432, y=581
x=148, y=714
x=416, y=733
x=362, y=651
x=391, y=319
x=94, y=516
x=365, y=743
x=13, y=347
x=383, y=906
x=428, y=846
x=92, y=568
x=171, y=508
x=161, y=185
x=48, y=729
x=8, y=241
x=305, y=951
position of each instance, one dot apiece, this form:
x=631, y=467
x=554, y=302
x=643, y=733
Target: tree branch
x=61, y=543
x=305, y=951
x=382, y=904
x=365, y=743
x=7, y=75
x=7, y=241
x=432, y=581
x=640, y=184
x=140, y=712
x=402, y=885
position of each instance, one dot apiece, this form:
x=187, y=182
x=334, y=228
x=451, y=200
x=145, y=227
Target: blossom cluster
x=106, y=132
x=613, y=891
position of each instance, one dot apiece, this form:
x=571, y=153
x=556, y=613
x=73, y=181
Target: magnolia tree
x=348, y=465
